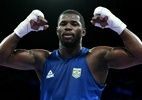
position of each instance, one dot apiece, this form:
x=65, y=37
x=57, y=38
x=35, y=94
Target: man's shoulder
x=100, y=50
x=40, y=52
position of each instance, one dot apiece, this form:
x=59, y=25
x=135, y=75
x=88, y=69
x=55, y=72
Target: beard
x=69, y=44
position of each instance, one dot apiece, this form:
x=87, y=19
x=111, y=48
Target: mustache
x=68, y=33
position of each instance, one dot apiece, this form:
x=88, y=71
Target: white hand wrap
x=114, y=23
x=24, y=27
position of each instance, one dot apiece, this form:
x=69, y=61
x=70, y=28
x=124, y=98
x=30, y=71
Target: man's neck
x=69, y=52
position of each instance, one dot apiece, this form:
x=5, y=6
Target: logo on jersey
x=50, y=74
x=76, y=73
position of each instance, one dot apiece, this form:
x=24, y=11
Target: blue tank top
x=69, y=78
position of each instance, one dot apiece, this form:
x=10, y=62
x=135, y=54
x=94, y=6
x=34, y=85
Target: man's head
x=71, y=11
x=71, y=28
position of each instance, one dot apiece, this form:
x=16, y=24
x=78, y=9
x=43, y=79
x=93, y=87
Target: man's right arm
x=7, y=47
x=20, y=59
x=12, y=58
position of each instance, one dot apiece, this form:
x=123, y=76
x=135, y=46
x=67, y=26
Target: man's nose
x=68, y=27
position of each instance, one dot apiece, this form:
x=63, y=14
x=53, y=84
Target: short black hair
x=71, y=11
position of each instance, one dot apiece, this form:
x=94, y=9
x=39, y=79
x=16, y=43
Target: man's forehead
x=69, y=16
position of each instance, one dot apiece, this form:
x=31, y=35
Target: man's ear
x=57, y=30
x=84, y=32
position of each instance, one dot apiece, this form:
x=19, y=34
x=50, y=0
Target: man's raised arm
x=34, y=22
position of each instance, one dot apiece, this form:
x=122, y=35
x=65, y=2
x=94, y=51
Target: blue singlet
x=69, y=78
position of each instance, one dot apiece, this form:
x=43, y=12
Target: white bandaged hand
x=114, y=23
x=25, y=27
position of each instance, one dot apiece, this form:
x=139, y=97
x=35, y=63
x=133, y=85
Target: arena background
x=24, y=85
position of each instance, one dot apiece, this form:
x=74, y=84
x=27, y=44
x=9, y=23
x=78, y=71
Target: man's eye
x=74, y=23
x=63, y=23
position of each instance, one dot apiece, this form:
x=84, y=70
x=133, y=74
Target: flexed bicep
x=119, y=58
x=21, y=59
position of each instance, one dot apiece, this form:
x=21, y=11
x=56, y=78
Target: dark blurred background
x=24, y=85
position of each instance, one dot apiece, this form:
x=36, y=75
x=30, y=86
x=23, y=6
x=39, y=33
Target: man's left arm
x=125, y=57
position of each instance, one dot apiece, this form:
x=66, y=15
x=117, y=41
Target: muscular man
x=72, y=72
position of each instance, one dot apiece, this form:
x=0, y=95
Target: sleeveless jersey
x=69, y=78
